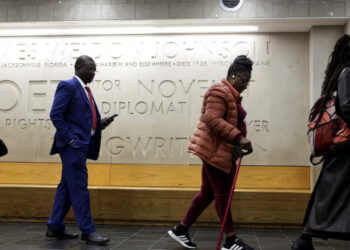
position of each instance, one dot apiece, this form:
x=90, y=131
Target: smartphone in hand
x=113, y=116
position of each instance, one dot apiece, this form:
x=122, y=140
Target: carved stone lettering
x=156, y=83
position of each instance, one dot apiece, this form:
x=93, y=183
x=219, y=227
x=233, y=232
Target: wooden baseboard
x=157, y=206
x=156, y=194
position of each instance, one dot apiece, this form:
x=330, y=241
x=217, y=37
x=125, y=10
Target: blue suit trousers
x=72, y=191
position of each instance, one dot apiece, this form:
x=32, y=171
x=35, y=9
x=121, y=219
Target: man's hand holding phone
x=107, y=120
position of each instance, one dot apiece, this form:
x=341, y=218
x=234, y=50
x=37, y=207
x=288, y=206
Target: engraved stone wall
x=156, y=84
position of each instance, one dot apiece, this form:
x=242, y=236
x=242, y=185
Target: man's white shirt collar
x=82, y=84
x=80, y=81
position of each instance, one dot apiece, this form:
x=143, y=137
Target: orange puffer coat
x=216, y=131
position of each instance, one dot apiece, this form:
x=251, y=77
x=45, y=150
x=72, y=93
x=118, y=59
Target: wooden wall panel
x=254, y=177
x=48, y=173
x=156, y=175
x=30, y=173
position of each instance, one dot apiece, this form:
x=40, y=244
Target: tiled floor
x=30, y=236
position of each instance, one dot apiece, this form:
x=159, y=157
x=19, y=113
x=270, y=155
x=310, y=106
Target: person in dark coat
x=328, y=212
x=220, y=127
x=3, y=148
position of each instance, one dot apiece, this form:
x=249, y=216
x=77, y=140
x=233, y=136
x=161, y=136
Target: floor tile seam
x=194, y=235
x=153, y=236
x=121, y=242
x=110, y=230
x=257, y=240
x=330, y=246
x=347, y=244
x=158, y=241
x=286, y=236
x=11, y=242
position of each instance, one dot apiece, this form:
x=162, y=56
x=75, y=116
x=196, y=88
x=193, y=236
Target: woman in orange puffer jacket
x=220, y=127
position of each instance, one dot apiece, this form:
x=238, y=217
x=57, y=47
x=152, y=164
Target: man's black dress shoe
x=55, y=235
x=94, y=239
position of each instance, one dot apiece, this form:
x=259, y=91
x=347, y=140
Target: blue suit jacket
x=72, y=116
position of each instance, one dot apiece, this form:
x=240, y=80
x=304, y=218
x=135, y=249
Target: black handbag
x=3, y=148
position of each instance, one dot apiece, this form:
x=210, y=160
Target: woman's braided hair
x=338, y=60
x=240, y=64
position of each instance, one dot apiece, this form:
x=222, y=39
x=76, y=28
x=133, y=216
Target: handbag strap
x=316, y=163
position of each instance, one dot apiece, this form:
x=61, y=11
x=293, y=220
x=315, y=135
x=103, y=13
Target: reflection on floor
x=30, y=236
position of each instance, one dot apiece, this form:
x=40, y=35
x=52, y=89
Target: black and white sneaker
x=182, y=237
x=235, y=244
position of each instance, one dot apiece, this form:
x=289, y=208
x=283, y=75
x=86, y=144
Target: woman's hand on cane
x=245, y=144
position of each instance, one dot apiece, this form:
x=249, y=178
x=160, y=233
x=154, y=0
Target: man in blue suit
x=78, y=137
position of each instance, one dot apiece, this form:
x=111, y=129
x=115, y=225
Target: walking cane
x=240, y=156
